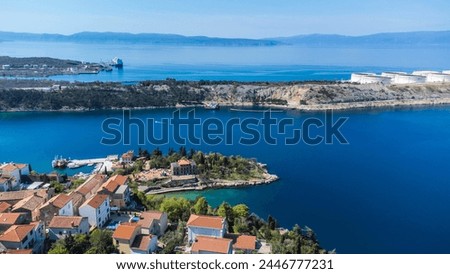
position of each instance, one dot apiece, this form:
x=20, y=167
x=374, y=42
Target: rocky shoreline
x=302, y=96
x=217, y=183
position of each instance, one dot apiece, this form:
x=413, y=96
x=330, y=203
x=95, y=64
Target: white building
x=369, y=78
x=211, y=226
x=6, y=184
x=404, y=78
x=29, y=236
x=129, y=240
x=96, y=209
x=153, y=222
x=60, y=205
x=62, y=226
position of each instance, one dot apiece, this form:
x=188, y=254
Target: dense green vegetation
x=209, y=166
x=99, y=95
x=239, y=219
x=98, y=242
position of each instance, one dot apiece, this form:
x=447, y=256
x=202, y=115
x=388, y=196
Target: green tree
x=272, y=223
x=225, y=210
x=183, y=151
x=157, y=152
x=177, y=208
x=201, y=206
x=101, y=242
x=58, y=248
x=241, y=210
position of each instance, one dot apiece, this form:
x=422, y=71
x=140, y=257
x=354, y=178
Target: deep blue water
x=385, y=192
x=278, y=63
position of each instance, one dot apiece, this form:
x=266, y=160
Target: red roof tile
x=91, y=184
x=4, y=207
x=142, y=242
x=19, y=251
x=245, y=242
x=211, y=244
x=60, y=200
x=16, y=233
x=114, y=182
x=97, y=200
x=126, y=231
x=10, y=218
x=65, y=221
x=206, y=221
x=147, y=218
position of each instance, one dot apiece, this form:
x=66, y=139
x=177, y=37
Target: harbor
x=101, y=164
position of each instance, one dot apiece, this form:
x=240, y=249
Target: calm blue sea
x=385, y=192
x=278, y=63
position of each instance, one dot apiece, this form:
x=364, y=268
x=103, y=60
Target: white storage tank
x=424, y=72
x=356, y=77
x=369, y=78
x=438, y=78
x=404, y=78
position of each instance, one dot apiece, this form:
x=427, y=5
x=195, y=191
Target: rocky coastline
x=302, y=96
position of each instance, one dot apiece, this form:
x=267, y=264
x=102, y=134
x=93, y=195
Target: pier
x=100, y=163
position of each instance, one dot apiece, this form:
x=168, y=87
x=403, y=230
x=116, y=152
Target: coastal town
x=47, y=213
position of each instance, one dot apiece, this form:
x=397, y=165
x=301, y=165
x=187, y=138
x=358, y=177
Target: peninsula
x=46, y=95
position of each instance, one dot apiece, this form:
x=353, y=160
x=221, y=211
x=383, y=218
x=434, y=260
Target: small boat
x=212, y=106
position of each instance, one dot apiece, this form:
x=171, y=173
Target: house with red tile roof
x=62, y=226
x=16, y=171
x=153, y=222
x=144, y=244
x=96, y=209
x=13, y=197
x=117, y=189
x=60, y=205
x=30, y=236
x=245, y=243
x=211, y=245
x=183, y=167
x=202, y=225
x=127, y=157
x=30, y=205
x=9, y=219
x=5, y=207
x=86, y=190
x=129, y=239
x=124, y=236
x=91, y=185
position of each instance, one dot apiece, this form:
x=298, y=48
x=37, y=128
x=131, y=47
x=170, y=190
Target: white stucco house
x=153, y=222
x=96, y=209
x=30, y=236
x=62, y=226
x=60, y=205
x=211, y=226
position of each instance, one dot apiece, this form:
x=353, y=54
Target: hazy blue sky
x=225, y=18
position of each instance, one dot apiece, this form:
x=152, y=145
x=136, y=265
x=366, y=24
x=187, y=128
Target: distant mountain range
x=424, y=38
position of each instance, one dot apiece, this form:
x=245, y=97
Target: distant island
x=45, y=66
x=420, y=38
